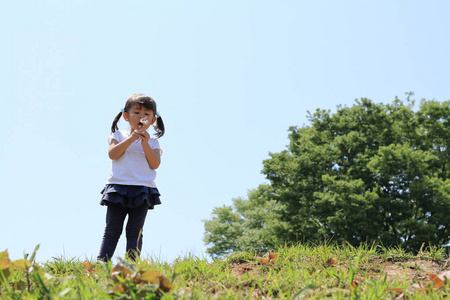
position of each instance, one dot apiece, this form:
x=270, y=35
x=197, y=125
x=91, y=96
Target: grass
x=296, y=272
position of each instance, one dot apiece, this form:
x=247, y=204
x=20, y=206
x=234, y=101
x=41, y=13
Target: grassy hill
x=297, y=272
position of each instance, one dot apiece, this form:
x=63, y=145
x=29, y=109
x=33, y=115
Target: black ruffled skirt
x=130, y=196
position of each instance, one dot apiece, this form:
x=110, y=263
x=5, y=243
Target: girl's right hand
x=135, y=135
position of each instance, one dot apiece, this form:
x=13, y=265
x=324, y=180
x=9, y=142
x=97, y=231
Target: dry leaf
x=263, y=260
x=357, y=281
x=21, y=264
x=273, y=256
x=164, y=284
x=150, y=277
x=437, y=282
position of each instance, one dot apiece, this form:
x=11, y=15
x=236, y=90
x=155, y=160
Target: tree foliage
x=249, y=225
x=370, y=172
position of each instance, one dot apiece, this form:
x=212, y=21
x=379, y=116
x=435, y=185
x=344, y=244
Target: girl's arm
x=116, y=149
x=153, y=156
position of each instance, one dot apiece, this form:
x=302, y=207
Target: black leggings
x=115, y=217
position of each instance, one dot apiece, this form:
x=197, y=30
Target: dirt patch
x=239, y=270
x=411, y=270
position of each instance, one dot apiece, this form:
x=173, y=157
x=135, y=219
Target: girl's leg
x=135, y=226
x=115, y=217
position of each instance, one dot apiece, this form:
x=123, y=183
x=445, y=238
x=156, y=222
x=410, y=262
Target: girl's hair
x=148, y=103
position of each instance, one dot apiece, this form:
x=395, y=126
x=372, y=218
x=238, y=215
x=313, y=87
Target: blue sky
x=229, y=78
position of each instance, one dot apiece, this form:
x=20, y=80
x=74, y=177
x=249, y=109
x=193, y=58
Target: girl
x=131, y=189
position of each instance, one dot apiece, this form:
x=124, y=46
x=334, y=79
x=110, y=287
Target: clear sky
x=229, y=78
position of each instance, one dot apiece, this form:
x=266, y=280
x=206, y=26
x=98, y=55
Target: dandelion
x=144, y=120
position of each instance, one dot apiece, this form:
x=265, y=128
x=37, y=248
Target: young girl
x=131, y=189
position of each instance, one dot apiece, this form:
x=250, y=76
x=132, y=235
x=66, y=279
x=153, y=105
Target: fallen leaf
x=357, y=281
x=263, y=260
x=4, y=255
x=329, y=262
x=5, y=264
x=150, y=277
x=273, y=256
x=438, y=282
x=122, y=270
x=397, y=291
x=21, y=264
x=164, y=284
x=88, y=266
x=120, y=288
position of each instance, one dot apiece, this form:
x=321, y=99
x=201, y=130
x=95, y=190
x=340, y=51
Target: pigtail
x=159, y=127
x=114, y=126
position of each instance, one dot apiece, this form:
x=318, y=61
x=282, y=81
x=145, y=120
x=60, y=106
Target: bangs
x=142, y=101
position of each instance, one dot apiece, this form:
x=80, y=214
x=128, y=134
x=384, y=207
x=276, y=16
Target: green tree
x=249, y=225
x=370, y=172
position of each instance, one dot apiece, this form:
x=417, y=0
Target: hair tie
x=122, y=110
x=157, y=114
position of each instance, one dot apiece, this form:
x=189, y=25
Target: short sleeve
x=117, y=135
x=154, y=144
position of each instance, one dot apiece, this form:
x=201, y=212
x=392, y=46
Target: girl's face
x=139, y=117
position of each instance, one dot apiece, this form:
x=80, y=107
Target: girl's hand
x=135, y=135
x=141, y=134
x=144, y=135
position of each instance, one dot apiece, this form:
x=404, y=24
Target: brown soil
x=411, y=270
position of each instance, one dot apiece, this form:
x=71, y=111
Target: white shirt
x=132, y=167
